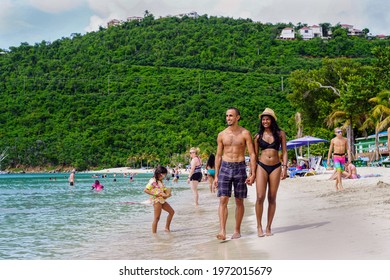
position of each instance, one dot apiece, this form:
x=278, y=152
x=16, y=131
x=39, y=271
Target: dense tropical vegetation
x=144, y=92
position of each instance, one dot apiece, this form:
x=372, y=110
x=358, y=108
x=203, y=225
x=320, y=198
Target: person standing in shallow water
x=71, y=178
x=270, y=170
x=158, y=195
x=210, y=166
x=195, y=175
x=230, y=170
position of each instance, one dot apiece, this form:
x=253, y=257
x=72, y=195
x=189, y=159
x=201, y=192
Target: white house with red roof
x=306, y=33
x=351, y=31
x=317, y=31
x=288, y=33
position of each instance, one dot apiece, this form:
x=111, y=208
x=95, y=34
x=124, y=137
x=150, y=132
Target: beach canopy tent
x=304, y=141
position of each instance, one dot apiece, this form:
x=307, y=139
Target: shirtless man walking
x=339, y=146
x=230, y=170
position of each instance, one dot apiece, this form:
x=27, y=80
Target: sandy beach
x=313, y=221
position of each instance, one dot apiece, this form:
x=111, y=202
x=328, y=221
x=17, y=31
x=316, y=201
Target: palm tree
x=299, y=124
x=349, y=121
x=379, y=117
x=3, y=155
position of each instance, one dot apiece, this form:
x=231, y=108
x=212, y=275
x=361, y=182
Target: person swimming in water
x=97, y=186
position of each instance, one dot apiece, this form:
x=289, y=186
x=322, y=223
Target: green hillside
x=146, y=92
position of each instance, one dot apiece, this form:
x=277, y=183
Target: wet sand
x=313, y=221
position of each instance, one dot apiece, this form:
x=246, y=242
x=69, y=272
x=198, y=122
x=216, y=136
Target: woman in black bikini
x=270, y=171
x=195, y=175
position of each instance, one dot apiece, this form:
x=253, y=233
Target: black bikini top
x=265, y=145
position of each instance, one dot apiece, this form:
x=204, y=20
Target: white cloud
x=22, y=19
x=94, y=23
x=55, y=6
x=5, y=13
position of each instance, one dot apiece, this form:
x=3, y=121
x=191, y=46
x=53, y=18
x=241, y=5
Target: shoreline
x=313, y=221
x=99, y=171
x=129, y=170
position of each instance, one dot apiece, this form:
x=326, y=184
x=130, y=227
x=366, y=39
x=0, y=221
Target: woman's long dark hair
x=274, y=128
x=211, y=161
x=158, y=171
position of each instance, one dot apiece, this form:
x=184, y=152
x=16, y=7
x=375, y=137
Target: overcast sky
x=33, y=21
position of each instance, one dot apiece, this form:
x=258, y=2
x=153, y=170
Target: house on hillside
x=288, y=33
x=135, y=18
x=306, y=33
x=381, y=36
x=351, y=31
x=113, y=22
x=317, y=31
x=310, y=32
x=193, y=15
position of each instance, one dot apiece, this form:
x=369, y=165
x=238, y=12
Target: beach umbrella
x=303, y=141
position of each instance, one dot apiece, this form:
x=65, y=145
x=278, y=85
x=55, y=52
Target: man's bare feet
x=236, y=235
x=260, y=232
x=221, y=236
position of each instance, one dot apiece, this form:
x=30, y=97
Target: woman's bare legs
x=194, y=188
x=262, y=180
x=273, y=185
x=261, y=187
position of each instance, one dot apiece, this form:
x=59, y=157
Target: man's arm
x=330, y=151
x=252, y=156
x=218, y=158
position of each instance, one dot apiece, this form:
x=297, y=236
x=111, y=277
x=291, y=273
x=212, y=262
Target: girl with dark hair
x=270, y=171
x=158, y=194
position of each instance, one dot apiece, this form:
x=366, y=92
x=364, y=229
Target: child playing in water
x=97, y=186
x=159, y=193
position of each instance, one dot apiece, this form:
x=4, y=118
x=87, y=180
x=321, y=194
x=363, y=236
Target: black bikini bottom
x=269, y=168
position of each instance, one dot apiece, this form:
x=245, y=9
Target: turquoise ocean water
x=42, y=217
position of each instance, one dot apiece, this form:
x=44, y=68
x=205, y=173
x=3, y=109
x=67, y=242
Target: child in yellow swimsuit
x=159, y=193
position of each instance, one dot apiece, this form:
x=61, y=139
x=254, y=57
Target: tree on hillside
x=379, y=117
x=336, y=94
x=326, y=27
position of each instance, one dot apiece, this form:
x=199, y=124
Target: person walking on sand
x=195, y=175
x=270, y=171
x=230, y=169
x=339, y=146
x=158, y=195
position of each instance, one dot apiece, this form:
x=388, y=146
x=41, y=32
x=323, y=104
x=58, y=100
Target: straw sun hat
x=268, y=112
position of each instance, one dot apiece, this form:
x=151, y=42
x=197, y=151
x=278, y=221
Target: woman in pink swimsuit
x=350, y=171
